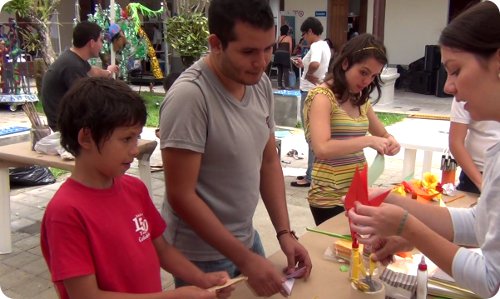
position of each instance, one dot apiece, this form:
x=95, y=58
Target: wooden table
x=20, y=154
x=326, y=280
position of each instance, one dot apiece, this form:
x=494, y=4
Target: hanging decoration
x=138, y=45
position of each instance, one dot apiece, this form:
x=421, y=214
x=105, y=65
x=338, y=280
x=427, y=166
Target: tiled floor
x=23, y=273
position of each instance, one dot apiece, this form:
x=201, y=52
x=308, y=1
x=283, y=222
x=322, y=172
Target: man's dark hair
x=100, y=105
x=356, y=50
x=313, y=24
x=84, y=32
x=223, y=15
x=476, y=30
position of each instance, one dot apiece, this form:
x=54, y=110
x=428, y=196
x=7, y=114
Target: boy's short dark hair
x=85, y=31
x=100, y=105
x=223, y=15
x=313, y=24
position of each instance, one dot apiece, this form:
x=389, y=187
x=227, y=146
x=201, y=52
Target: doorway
x=346, y=19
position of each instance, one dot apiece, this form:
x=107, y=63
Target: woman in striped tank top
x=337, y=116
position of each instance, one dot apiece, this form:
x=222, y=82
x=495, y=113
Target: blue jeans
x=224, y=264
x=310, y=155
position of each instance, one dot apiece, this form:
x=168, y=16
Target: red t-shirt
x=108, y=233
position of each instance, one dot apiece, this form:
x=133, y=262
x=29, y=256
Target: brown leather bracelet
x=286, y=231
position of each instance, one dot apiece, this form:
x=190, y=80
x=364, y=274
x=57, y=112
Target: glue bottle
x=422, y=280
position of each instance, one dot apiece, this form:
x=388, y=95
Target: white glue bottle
x=422, y=280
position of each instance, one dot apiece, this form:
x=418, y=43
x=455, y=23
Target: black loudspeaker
x=432, y=58
x=423, y=82
x=440, y=81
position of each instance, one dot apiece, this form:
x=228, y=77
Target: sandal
x=292, y=153
x=296, y=184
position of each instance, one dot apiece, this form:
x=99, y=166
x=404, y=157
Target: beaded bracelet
x=286, y=231
x=402, y=223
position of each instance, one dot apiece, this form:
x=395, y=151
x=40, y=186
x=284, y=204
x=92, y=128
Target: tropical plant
x=31, y=41
x=38, y=13
x=188, y=33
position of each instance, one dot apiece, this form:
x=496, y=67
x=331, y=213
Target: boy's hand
x=219, y=278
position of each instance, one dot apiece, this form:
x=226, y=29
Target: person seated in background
x=468, y=141
x=99, y=207
x=71, y=66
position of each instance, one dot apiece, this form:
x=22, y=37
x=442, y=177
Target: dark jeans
x=320, y=215
x=283, y=72
x=465, y=184
x=224, y=264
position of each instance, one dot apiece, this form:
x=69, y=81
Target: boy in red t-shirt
x=101, y=234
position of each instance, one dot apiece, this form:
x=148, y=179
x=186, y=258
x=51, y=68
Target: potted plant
x=187, y=32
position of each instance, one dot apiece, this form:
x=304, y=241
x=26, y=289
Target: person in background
x=72, y=65
x=99, y=208
x=471, y=56
x=332, y=52
x=315, y=65
x=116, y=37
x=338, y=115
x=222, y=106
x=300, y=50
x=282, y=57
x=157, y=38
x=469, y=140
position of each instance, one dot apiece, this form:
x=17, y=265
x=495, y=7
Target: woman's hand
x=393, y=146
x=384, y=248
x=380, y=144
x=378, y=222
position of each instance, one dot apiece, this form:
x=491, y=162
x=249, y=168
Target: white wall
x=410, y=25
x=302, y=10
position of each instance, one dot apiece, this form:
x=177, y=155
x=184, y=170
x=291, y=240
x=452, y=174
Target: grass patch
x=390, y=118
x=153, y=101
